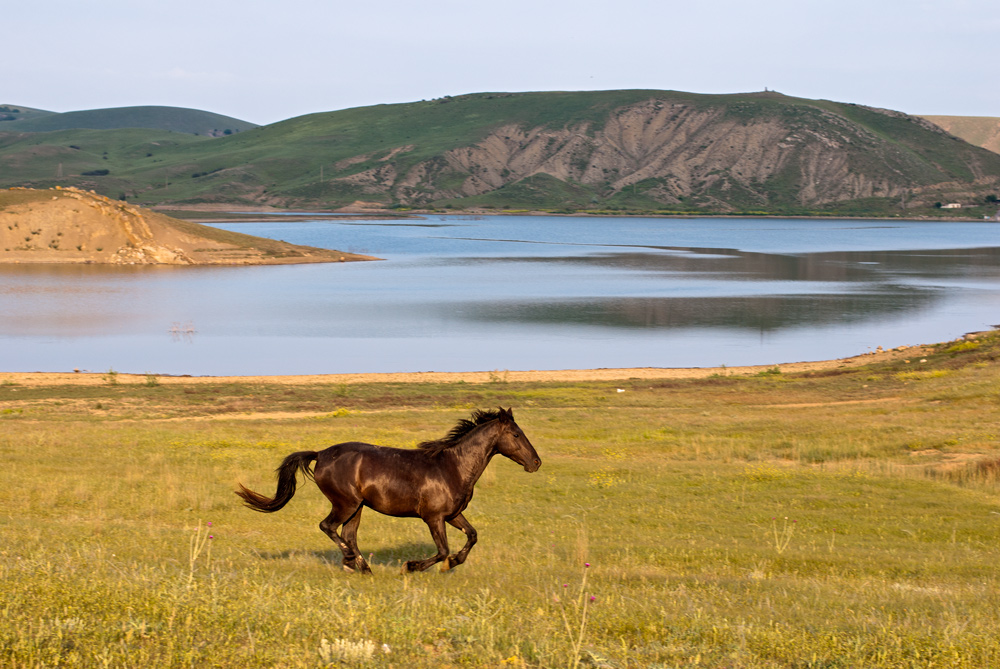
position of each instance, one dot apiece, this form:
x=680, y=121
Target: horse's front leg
x=436, y=526
x=458, y=558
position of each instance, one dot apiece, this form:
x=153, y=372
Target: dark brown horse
x=433, y=482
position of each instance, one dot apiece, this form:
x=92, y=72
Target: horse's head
x=512, y=443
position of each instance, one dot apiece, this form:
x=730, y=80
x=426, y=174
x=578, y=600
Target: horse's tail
x=286, y=483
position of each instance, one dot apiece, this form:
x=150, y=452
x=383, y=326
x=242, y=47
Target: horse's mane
x=461, y=429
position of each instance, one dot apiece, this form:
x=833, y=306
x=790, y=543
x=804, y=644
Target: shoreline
x=39, y=379
x=248, y=214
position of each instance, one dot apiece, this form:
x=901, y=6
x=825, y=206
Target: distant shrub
x=96, y=173
x=962, y=346
x=202, y=174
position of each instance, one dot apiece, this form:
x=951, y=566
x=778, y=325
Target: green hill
x=175, y=119
x=10, y=113
x=609, y=151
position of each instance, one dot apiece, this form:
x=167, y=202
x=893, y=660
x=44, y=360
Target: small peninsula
x=69, y=225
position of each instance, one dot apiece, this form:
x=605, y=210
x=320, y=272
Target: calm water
x=457, y=293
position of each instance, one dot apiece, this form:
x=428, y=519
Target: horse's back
x=357, y=460
x=352, y=450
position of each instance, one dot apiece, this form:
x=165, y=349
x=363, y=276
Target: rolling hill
x=609, y=151
x=10, y=113
x=173, y=119
x=981, y=131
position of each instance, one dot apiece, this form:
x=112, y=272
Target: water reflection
x=754, y=313
x=733, y=264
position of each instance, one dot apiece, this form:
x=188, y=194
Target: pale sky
x=269, y=60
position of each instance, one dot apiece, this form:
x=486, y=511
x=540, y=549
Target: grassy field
x=840, y=519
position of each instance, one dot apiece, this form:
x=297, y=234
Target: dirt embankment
x=67, y=225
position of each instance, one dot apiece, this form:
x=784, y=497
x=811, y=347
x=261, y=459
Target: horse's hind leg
x=436, y=526
x=329, y=525
x=350, y=534
x=458, y=558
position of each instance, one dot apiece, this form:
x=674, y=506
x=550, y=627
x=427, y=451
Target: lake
x=457, y=293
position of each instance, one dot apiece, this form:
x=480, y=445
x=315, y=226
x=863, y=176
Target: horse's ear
x=510, y=413
x=505, y=415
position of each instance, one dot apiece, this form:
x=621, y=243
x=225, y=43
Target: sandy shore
x=912, y=353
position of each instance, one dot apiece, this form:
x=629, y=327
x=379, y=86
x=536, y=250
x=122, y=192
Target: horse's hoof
x=349, y=569
x=446, y=565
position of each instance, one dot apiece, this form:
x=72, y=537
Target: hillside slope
x=981, y=131
x=9, y=113
x=637, y=150
x=74, y=226
x=174, y=119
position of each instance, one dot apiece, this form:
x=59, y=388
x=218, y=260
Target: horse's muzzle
x=533, y=465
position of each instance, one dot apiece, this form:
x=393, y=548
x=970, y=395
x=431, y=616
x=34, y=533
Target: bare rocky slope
x=764, y=152
x=671, y=151
x=639, y=150
x=74, y=226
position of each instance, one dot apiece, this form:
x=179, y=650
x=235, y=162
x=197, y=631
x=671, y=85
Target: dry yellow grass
x=835, y=518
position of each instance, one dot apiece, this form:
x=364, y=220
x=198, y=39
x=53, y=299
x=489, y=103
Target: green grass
x=840, y=519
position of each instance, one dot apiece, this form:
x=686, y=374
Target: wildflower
x=593, y=598
x=210, y=523
x=586, y=564
x=211, y=536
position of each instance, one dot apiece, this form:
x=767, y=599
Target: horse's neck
x=473, y=454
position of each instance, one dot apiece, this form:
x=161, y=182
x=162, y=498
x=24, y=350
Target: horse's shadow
x=393, y=556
